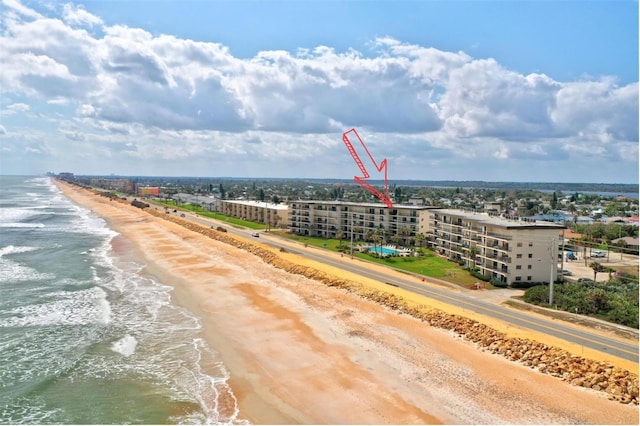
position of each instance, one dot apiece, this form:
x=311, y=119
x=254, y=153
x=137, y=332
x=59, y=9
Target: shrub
x=478, y=275
x=538, y=295
x=525, y=284
x=500, y=284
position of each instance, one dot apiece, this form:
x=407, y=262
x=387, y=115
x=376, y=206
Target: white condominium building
x=326, y=218
x=504, y=249
x=274, y=215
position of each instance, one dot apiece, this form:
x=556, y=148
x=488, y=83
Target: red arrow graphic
x=361, y=180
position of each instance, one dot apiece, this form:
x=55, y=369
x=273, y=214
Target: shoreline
x=292, y=345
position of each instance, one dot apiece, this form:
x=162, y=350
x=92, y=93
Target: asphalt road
x=548, y=326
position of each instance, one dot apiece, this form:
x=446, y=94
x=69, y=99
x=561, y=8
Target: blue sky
x=564, y=39
x=462, y=90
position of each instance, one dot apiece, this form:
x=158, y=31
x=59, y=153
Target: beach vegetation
x=614, y=300
x=214, y=215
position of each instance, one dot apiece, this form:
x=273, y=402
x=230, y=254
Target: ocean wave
x=81, y=307
x=18, y=214
x=21, y=225
x=14, y=272
x=13, y=249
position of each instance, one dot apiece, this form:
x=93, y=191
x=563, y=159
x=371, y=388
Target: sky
x=537, y=91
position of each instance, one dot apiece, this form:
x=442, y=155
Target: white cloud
x=16, y=6
x=18, y=107
x=3, y=130
x=75, y=15
x=132, y=94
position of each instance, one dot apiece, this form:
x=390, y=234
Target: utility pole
x=553, y=266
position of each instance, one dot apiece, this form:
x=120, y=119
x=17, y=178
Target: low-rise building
x=273, y=215
x=122, y=185
x=327, y=218
x=148, y=191
x=504, y=249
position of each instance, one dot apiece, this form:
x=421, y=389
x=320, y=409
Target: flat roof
x=254, y=203
x=371, y=205
x=510, y=223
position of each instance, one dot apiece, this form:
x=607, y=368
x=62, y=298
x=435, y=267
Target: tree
x=261, y=194
x=398, y=195
x=597, y=267
x=473, y=251
x=368, y=236
x=404, y=232
x=340, y=236
x=221, y=191
x=377, y=239
x=419, y=239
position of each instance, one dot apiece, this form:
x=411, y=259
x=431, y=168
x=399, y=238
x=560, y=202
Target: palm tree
x=610, y=271
x=377, y=239
x=357, y=231
x=340, y=237
x=473, y=251
x=597, y=267
x=368, y=236
x=419, y=239
x=404, y=232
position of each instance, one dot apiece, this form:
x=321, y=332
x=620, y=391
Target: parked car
x=255, y=234
x=566, y=272
x=598, y=253
x=585, y=280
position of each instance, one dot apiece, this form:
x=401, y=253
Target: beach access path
x=299, y=351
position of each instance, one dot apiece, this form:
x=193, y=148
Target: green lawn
x=428, y=264
x=205, y=213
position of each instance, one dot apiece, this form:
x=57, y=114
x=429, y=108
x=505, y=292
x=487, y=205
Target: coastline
x=301, y=352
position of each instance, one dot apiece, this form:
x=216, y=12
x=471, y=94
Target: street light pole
x=553, y=265
x=351, y=234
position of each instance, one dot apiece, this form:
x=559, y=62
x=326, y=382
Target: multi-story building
x=326, y=218
x=123, y=185
x=276, y=215
x=505, y=249
x=148, y=191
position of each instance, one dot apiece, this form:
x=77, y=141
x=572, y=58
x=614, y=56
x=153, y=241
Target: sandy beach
x=300, y=352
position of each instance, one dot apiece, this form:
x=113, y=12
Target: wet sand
x=301, y=352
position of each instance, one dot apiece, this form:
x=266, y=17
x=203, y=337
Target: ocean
x=86, y=337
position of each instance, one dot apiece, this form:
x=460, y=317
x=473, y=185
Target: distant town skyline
x=527, y=91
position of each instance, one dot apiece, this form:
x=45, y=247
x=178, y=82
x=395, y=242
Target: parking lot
x=580, y=268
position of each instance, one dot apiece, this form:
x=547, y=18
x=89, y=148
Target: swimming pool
x=383, y=250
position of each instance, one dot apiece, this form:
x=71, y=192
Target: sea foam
x=125, y=346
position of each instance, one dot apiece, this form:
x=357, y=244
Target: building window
x=518, y=266
x=519, y=245
x=528, y=266
x=518, y=278
x=530, y=255
x=519, y=256
x=530, y=244
x=529, y=278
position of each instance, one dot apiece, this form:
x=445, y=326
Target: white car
x=598, y=253
x=566, y=272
